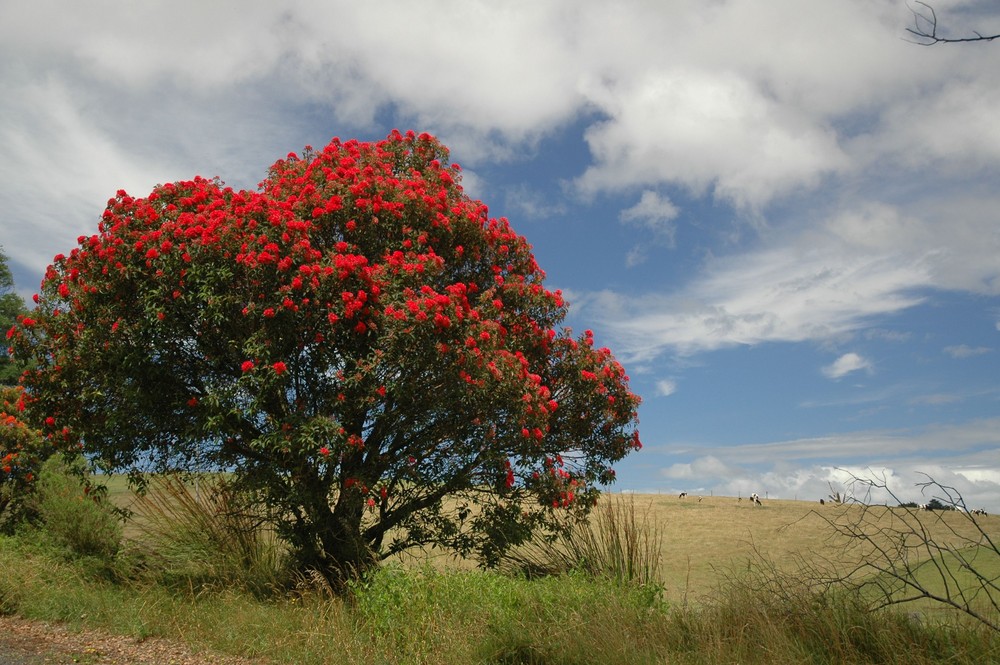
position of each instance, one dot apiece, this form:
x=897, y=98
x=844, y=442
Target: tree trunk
x=334, y=546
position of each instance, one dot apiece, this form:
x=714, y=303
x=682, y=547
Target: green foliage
x=11, y=307
x=763, y=609
x=202, y=533
x=74, y=512
x=503, y=618
x=358, y=342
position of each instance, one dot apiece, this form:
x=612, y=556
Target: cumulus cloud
x=654, y=213
x=717, y=110
x=706, y=469
x=701, y=129
x=845, y=364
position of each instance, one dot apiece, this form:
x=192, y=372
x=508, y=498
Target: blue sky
x=782, y=217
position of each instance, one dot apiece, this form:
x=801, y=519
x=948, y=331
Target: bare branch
x=925, y=25
x=905, y=554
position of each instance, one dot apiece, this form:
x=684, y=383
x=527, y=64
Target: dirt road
x=24, y=642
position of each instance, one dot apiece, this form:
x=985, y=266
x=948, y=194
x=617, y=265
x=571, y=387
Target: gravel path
x=24, y=642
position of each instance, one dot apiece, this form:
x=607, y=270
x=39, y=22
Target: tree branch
x=925, y=29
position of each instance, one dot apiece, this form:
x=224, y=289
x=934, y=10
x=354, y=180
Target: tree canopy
x=358, y=341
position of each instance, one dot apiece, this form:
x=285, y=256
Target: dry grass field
x=706, y=539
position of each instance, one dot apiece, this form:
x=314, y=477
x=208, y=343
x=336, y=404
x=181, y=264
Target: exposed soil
x=24, y=642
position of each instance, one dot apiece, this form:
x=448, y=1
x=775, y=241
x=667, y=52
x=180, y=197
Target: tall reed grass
x=620, y=540
x=207, y=534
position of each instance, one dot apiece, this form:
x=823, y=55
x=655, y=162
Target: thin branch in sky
x=925, y=29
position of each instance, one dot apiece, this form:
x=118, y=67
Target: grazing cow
x=755, y=499
x=682, y=495
x=979, y=511
x=925, y=506
x=822, y=502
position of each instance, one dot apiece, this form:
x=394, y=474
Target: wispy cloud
x=965, y=351
x=819, y=282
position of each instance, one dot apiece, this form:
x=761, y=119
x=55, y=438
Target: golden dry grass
x=704, y=539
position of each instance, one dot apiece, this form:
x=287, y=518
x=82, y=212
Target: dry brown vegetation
x=706, y=539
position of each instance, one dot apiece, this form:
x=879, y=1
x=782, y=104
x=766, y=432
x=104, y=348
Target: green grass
x=735, y=591
x=427, y=616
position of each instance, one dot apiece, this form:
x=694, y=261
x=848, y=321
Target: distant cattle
x=979, y=511
x=682, y=495
x=755, y=499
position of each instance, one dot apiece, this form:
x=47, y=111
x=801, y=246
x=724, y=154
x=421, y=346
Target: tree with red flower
x=21, y=454
x=418, y=357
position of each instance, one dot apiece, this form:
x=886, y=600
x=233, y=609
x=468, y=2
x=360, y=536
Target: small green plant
x=204, y=532
x=74, y=512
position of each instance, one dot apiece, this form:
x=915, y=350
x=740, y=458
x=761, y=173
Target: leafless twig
x=925, y=26
x=904, y=554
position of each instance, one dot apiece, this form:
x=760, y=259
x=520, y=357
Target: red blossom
x=247, y=366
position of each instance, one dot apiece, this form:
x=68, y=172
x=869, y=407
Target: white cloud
x=788, y=293
x=965, y=351
x=805, y=468
x=653, y=212
x=845, y=364
x=706, y=469
x=684, y=94
x=701, y=129
x=812, y=282
x=666, y=387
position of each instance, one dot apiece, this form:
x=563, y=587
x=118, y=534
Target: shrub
x=74, y=512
